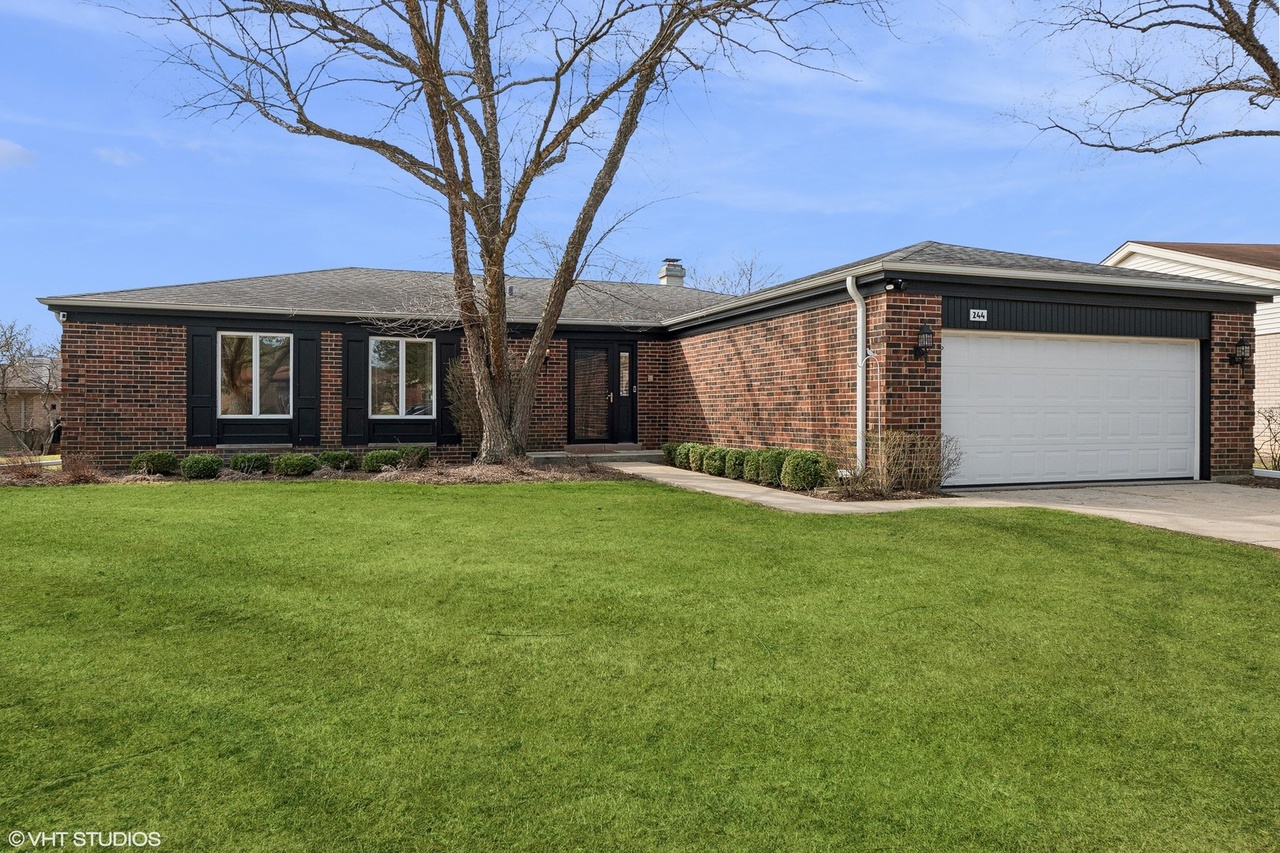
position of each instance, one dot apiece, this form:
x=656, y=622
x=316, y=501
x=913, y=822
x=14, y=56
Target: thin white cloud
x=65, y=13
x=12, y=154
x=117, y=156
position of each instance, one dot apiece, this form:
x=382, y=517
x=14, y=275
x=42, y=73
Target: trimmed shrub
x=201, y=466
x=295, y=464
x=669, y=452
x=713, y=461
x=414, y=455
x=154, y=462
x=696, y=452
x=251, y=463
x=734, y=462
x=805, y=470
x=682, y=455
x=376, y=460
x=771, y=462
x=751, y=466
x=338, y=460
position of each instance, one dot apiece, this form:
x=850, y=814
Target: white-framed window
x=402, y=375
x=255, y=375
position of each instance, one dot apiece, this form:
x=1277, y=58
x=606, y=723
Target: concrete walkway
x=1217, y=510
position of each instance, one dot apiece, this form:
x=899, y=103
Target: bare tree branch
x=479, y=101
x=1172, y=74
x=30, y=379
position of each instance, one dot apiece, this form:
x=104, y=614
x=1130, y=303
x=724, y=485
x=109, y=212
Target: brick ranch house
x=1044, y=370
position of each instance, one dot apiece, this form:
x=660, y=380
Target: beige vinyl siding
x=1267, y=319
x=1168, y=267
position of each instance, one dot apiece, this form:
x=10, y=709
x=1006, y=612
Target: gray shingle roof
x=361, y=292
x=356, y=292
x=946, y=254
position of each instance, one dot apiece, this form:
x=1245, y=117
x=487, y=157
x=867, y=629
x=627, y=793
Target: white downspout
x=852, y=287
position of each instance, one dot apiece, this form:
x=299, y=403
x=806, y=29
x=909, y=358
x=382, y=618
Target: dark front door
x=602, y=393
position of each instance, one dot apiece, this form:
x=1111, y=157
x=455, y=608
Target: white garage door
x=1060, y=408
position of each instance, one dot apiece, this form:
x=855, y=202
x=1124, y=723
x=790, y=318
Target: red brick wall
x=124, y=390
x=787, y=381
x=903, y=390
x=653, y=379
x=331, y=390
x=549, y=420
x=792, y=381
x=1231, y=398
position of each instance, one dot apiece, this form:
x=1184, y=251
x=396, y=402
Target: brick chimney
x=671, y=272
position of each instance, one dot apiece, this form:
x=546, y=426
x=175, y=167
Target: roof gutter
x=851, y=285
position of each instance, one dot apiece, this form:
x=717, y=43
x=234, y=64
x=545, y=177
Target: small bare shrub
x=24, y=465
x=1267, y=440
x=460, y=388
x=897, y=460
x=78, y=469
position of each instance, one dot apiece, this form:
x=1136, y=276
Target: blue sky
x=104, y=186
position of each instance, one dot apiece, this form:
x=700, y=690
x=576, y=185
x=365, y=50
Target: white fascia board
x=798, y=286
x=1130, y=249
x=1087, y=278
x=805, y=284
x=1120, y=254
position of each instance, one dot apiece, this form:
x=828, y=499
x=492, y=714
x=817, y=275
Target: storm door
x=602, y=393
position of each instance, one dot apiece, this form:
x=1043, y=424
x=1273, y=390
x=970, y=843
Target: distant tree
x=479, y=101
x=30, y=376
x=1173, y=73
x=744, y=275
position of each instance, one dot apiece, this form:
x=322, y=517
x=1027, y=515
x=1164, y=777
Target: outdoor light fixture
x=924, y=343
x=1241, y=353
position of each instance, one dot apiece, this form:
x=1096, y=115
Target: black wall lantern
x=1240, y=354
x=924, y=342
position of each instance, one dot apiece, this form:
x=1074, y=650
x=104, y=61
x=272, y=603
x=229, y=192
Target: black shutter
x=202, y=384
x=446, y=353
x=355, y=390
x=306, y=388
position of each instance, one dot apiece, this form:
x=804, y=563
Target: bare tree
x=745, y=275
x=478, y=102
x=30, y=374
x=1173, y=73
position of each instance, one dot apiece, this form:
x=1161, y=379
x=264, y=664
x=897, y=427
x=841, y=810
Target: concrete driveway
x=1235, y=513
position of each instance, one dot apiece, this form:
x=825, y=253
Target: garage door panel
x=1151, y=425
x=1045, y=408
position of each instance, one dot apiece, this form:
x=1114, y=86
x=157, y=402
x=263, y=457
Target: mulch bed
x=432, y=474
x=1257, y=482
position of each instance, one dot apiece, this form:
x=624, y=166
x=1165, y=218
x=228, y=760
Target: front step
x=561, y=456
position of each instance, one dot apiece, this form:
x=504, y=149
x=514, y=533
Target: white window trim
x=434, y=395
x=256, y=376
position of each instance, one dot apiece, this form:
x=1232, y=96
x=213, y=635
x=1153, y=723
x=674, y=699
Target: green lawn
x=370, y=666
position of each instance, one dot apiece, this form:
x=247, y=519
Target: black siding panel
x=1072, y=319
x=1206, y=409
x=202, y=386
x=447, y=352
x=355, y=389
x=306, y=387
x=255, y=431
x=402, y=431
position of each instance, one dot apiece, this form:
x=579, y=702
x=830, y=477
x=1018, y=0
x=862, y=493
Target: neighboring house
x=29, y=397
x=1243, y=263
x=1044, y=370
